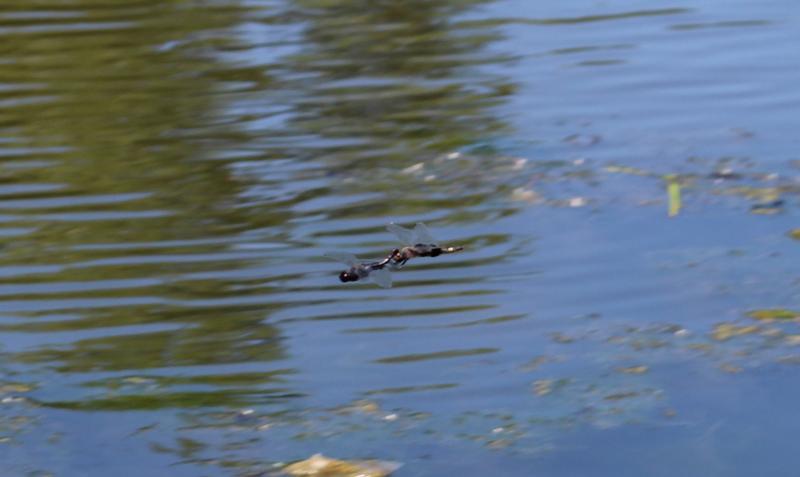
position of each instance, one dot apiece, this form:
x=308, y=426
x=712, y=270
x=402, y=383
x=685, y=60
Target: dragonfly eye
x=348, y=277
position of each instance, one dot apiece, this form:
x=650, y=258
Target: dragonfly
x=377, y=272
x=418, y=243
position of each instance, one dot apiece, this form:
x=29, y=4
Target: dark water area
x=171, y=174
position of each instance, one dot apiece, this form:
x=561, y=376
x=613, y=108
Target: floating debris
x=498, y=443
x=536, y=362
x=621, y=395
x=14, y=400
x=561, y=338
x=320, y=466
x=136, y=380
x=361, y=406
x=413, y=169
x=543, y=387
x=617, y=169
x=577, y=202
x=790, y=359
x=726, y=174
x=726, y=331
x=633, y=370
x=8, y=388
x=674, y=195
x=521, y=194
x=669, y=412
x=742, y=133
x=776, y=314
x=583, y=140
x=768, y=208
x=793, y=340
x=730, y=368
x=682, y=333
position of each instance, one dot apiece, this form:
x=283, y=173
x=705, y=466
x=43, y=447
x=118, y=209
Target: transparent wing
x=381, y=277
x=405, y=235
x=423, y=234
x=342, y=257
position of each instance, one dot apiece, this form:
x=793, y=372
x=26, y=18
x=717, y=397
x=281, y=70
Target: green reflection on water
x=130, y=130
x=124, y=100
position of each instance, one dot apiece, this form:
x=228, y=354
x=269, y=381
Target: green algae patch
x=775, y=314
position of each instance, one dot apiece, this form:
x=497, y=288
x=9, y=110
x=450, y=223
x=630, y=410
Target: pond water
x=171, y=174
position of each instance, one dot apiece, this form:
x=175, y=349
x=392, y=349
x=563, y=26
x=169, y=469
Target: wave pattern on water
x=172, y=172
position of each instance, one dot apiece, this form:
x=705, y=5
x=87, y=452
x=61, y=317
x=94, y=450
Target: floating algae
x=773, y=314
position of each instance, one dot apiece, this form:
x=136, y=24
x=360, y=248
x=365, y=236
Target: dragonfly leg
x=398, y=258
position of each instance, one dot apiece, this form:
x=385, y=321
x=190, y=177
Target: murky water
x=172, y=172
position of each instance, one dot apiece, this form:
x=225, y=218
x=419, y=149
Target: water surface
x=171, y=174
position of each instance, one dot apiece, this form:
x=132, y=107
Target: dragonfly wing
x=405, y=235
x=381, y=277
x=342, y=257
x=423, y=235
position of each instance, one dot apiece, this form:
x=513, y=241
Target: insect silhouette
x=417, y=243
x=376, y=272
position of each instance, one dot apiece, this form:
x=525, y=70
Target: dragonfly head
x=348, y=276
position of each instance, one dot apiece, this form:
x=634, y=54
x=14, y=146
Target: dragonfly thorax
x=420, y=250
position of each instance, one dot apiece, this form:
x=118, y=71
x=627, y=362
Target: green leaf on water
x=773, y=314
x=674, y=195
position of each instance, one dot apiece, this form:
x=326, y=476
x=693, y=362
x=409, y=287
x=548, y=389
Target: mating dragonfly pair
x=418, y=243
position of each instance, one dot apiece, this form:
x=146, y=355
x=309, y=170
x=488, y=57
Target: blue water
x=171, y=175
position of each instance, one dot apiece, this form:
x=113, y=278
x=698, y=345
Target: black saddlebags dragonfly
x=418, y=243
